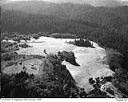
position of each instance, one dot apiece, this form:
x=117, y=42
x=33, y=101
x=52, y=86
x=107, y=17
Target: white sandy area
x=89, y=59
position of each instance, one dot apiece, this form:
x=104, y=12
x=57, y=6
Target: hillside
x=39, y=14
x=102, y=24
x=107, y=26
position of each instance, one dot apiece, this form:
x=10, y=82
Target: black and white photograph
x=64, y=49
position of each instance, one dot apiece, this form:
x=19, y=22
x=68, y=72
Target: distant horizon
x=57, y=0
x=91, y=2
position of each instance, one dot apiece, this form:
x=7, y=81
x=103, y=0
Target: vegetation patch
x=82, y=43
x=55, y=81
x=69, y=57
x=24, y=45
x=120, y=78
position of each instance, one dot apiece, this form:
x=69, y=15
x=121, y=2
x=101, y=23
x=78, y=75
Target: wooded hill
x=106, y=25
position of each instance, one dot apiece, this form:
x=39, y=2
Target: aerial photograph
x=64, y=49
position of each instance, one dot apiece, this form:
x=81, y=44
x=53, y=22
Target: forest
x=106, y=26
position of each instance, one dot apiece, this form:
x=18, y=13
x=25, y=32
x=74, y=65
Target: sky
x=76, y=1
x=51, y=0
x=48, y=0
